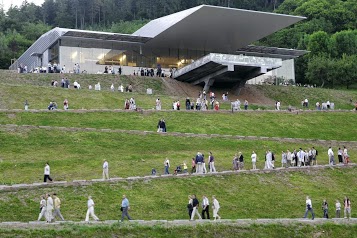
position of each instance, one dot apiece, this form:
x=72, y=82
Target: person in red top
x=216, y=106
x=65, y=104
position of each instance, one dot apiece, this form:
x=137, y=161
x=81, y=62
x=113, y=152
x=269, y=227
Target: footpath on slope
x=349, y=144
x=15, y=187
x=175, y=223
x=146, y=111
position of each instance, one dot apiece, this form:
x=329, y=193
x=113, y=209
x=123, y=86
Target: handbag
x=121, y=208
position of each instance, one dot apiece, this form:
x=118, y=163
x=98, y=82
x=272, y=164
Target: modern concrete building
x=205, y=45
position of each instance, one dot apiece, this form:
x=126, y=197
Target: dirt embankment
x=249, y=92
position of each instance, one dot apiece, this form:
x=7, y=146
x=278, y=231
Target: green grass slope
x=16, y=88
x=79, y=155
x=314, y=125
x=294, y=95
x=273, y=195
x=216, y=230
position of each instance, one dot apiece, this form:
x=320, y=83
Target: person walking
x=199, y=163
x=57, y=212
x=347, y=207
x=338, y=209
x=49, y=208
x=331, y=156
x=105, y=170
x=204, y=170
x=254, y=160
x=90, y=210
x=42, y=208
x=195, y=204
x=65, y=104
x=346, y=157
x=309, y=208
x=216, y=208
x=240, y=161
x=205, y=207
x=125, y=206
x=325, y=208
x=167, y=166
x=212, y=169
x=47, y=173
x=189, y=206
x=193, y=166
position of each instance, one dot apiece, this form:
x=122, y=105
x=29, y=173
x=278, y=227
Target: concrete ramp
x=222, y=70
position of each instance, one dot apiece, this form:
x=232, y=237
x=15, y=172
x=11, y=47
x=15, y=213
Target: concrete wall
x=287, y=71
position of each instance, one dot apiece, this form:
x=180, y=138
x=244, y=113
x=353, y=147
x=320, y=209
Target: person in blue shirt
x=124, y=208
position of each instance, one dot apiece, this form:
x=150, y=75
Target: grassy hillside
x=314, y=125
x=79, y=155
x=274, y=195
x=217, y=230
x=294, y=95
x=16, y=88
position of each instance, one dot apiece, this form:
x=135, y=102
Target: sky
x=7, y=3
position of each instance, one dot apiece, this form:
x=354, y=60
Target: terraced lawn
x=274, y=195
x=314, y=125
x=79, y=154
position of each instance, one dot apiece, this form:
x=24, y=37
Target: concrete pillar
x=208, y=83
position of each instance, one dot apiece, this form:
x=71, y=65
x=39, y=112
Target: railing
x=226, y=59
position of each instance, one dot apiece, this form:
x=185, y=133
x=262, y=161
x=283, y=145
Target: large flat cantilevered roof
x=213, y=29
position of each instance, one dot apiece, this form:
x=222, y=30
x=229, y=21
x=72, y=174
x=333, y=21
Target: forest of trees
x=329, y=33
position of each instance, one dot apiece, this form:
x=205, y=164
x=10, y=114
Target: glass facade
x=93, y=56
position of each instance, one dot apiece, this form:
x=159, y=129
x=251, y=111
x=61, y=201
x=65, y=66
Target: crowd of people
x=193, y=208
x=50, y=208
x=50, y=203
x=325, y=208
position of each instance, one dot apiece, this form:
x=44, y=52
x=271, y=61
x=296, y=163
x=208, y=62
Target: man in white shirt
x=49, y=208
x=105, y=170
x=215, y=208
x=309, y=208
x=205, y=207
x=268, y=160
x=301, y=156
x=90, y=211
x=254, y=160
x=167, y=166
x=42, y=208
x=331, y=156
x=76, y=84
x=121, y=88
x=47, y=173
